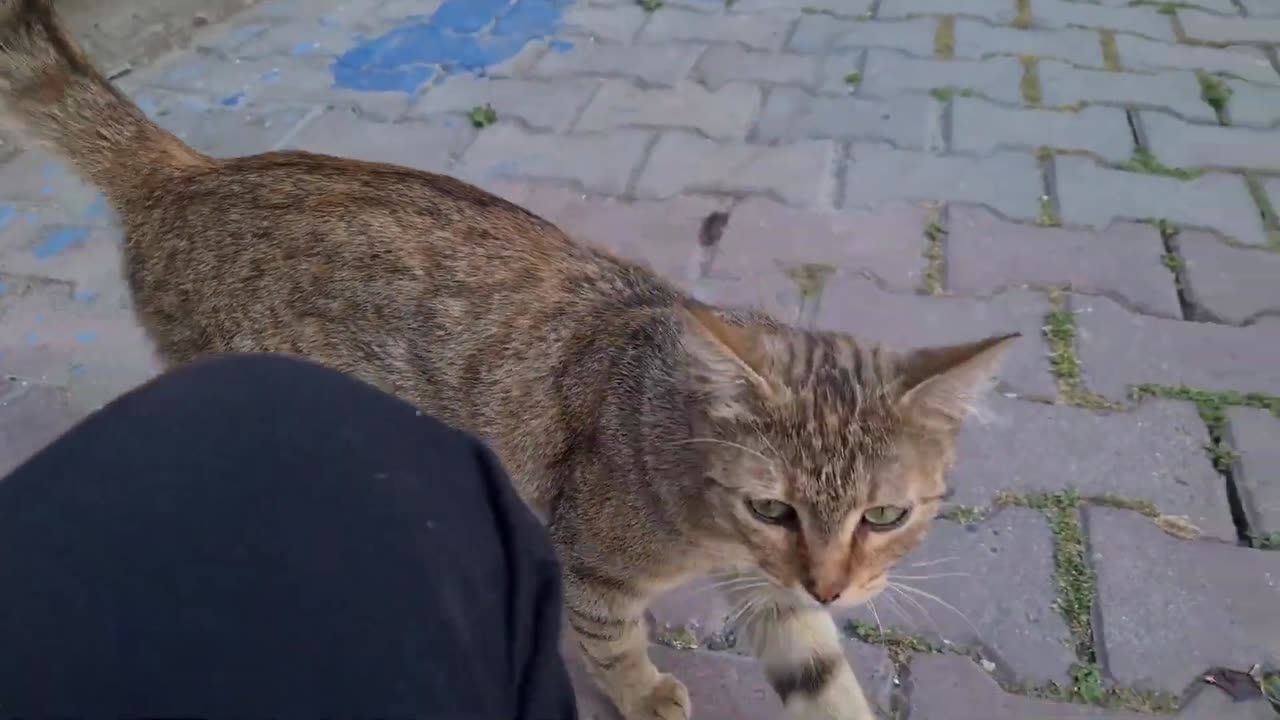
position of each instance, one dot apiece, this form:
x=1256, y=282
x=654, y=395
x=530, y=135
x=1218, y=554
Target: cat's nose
x=825, y=594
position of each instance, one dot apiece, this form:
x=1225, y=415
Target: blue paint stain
x=271, y=75
x=305, y=48
x=561, y=46
x=4, y=287
x=31, y=339
x=31, y=218
x=232, y=100
x=85, y=296
x=7, y=214
x=77, y=370
x=97, y=208
x=87, y=337
x=60, y=241
x=462, y=36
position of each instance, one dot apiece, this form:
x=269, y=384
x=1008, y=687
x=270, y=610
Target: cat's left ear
x=728, y=361
x=941, y=385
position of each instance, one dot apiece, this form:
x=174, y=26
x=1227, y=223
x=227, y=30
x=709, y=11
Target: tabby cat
x=658, y=438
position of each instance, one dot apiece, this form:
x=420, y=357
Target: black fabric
x=254, y=536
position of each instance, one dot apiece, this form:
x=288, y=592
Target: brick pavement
x=1102, y=176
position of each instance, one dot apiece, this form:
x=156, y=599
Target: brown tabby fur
x=635, y=420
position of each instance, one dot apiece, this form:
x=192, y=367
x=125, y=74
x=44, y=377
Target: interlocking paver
x=1155, y=453
x=1002, y=589
x=1119, y=349
x=905, y=121
x=1185, y=145
x=815, y=33
x=540, y=105
x=1253, y=105
x=985, y=254
x=800, y=173
x=763, y=234
x=1008, y=182
x=991, y=10
x=1163, y=615
x=1218, y=29
x=644, y=64
x=1067, y=13
x=889, y=73
x=1176, y=91
x=849, y=8
x=1255, y=435
x=975, y=39
x=1261, y=8
x=942, y=320
x=727, y=63
x=979, y=126
x=723, y=114
x=1139, y=53
x=1232, y=284
x=603, y=163
x=31, y=416
x=612, y=24
x=1090, y=194
x=427, y=145
x=758, y=31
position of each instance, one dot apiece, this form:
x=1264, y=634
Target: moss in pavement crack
x=1060, y=331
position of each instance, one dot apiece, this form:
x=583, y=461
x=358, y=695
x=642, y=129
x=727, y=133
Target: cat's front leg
x=607, y=617
x=800, y=647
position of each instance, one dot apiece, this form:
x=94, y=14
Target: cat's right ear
x=728, y=362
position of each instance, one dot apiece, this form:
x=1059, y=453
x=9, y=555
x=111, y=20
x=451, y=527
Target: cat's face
x=827, y=461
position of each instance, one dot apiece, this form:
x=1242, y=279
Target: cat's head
x=826, y=460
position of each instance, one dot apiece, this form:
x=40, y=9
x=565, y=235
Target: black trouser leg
x=254, y=536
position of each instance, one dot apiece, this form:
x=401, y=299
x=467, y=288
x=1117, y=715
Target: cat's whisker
x=930, y=577
x=718, y=441
x=893, y=603
x=939, y=561
x=735, y=584
x=923, y=611
x=977, y=633
x=872, y=604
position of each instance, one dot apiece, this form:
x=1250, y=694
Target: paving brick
x=299, y=38
x=980, y=126
x=51, y=336
x=1089, y=194
x=818, y=33
x=227, y=133
x=426, y=145
x=856, y=305
x=954, y=687
x=1008, y=182
x=1140, y=20
x=906, y=121
x=1232, y=284
x=800, y=173
x=1232, y=30
x=1154, y=453
x=1165, y=618
x=611, y=24
x=1182, y=144
x=979, y=40
x=760, y=32
x=540, y=105
x=763, y=235
x=986, y=255
x=1002, y=582
x=995, y=11
x=48, y=243
x=1255, y=435
x=664, y=68
x=39, y=178
x=1175, y=91
x=661, y=234
x=889, y=73
x=1119, y=348
x=1261, y=8
x=602, y=163
x=822, y=8
x=1213, y=704
x=726, y=63
x=31, y=417
x=1138, y=53
x=724, y=114
x=1253, y=105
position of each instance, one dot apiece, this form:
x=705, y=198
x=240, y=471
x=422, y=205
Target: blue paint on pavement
x=7, y=214
x=60, y=241
x=87, y=337
x=232, y=100
x=97, y=208
x=462, y=36
x=85, y=296
x=31, y=339
x=4, y=287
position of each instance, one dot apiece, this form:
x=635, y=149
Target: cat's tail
x=49, y=84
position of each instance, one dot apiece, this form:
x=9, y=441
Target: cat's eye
x=774, y=512
x=885, y=517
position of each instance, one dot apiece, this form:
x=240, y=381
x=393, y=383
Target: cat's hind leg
x=800, y=648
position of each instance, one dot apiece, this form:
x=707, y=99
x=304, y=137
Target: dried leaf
x=1234, y=683
x=1178, y=526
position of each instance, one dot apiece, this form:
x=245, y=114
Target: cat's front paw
x=668, y=699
